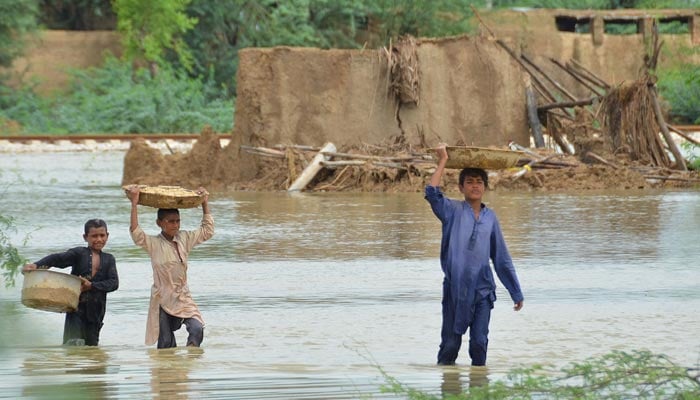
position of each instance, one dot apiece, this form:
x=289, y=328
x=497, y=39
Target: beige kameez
x=169, y=262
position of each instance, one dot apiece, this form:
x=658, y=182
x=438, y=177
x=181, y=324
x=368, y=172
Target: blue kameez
x=467, y=247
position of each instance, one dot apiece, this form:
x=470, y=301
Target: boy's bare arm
x=133, y=195
x=441, y=152
x=205, y=199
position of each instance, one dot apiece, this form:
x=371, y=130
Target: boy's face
x=473, y=188
x=96, y=238
x=170, y=224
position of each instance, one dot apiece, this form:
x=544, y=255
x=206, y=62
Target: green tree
x=17, y=21
x=150, y=28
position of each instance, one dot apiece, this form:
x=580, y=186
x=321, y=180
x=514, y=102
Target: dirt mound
x=144, y=164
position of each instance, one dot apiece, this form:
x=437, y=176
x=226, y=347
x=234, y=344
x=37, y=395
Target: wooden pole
x=683, y=135
x=549, y=79
x=680, y=161
x=576, y=77
x=312, y=169
x=599, y=81
x=535, y=124
x=564, y=104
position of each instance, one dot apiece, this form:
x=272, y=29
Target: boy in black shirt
x=97, y=271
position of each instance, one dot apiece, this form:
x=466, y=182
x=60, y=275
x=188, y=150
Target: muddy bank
x=210, y=165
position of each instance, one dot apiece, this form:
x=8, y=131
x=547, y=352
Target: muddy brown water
x=309, y=295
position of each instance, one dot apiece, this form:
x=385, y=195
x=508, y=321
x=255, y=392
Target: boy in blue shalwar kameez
x=471, y=238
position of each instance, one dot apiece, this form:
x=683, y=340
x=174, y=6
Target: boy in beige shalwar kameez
x=171, y=303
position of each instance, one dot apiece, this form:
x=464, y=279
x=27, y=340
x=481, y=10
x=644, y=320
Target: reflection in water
x=170, y=370
x=84, y=372
x=452, y=383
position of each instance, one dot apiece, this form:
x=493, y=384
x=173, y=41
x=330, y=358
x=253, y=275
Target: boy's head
x=169, y=221
x=473, y=182
x=96, y=234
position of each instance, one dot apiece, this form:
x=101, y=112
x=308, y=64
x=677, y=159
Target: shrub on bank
x=117, y=99
x=680, y=87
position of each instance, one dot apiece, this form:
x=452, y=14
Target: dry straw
x=402, y=61
x=167, y=196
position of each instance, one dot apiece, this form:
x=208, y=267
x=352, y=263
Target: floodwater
x=315, y=295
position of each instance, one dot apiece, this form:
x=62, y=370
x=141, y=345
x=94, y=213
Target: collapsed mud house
x=382, y=109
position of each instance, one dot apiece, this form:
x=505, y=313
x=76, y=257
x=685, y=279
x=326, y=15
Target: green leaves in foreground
x=617, y=375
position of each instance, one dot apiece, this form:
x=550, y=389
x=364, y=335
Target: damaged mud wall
x=471, y=92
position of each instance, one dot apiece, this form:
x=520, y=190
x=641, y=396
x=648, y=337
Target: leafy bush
x=617, y=375
x=115, y=99
x=17, y=21
x=680, y=88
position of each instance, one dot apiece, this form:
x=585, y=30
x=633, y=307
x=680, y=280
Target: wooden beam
x=312, y=169
x=565, y=104
x=680, y=161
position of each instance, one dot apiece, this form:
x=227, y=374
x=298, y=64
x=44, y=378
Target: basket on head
x=167, y=196
x=479, y=157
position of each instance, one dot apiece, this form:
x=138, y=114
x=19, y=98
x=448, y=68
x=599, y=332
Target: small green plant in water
x=10, y=259
x=638, y=374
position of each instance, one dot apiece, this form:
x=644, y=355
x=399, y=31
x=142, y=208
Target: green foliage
x=694, y=155
x=114, y=99
x=424, y=18
x=17, y=21
x=580, y=4
x=10, y=259
x=149, y=28
x=598, y=4
x=680, y=88
x=617, y=375
x=659, y=4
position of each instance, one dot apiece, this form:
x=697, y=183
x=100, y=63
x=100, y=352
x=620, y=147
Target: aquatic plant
x=638, y=374
x=10, y=259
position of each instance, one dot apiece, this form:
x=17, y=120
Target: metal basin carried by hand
x=51, y=291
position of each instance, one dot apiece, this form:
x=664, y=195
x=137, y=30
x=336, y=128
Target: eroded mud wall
x=471, y=92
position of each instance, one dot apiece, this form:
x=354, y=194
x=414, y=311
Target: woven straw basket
x=479, y=157
x=167, y=196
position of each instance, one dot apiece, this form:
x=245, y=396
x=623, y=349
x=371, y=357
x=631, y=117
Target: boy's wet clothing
x=85, y=323
x=169, y=262
x=468, y=246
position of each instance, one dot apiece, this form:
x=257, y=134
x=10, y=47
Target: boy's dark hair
x=95, y=223
x=162, y=212
x=474, y=173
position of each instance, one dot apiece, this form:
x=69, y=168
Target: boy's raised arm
x=133, y=195
x=205, y=202
x=442, y=160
